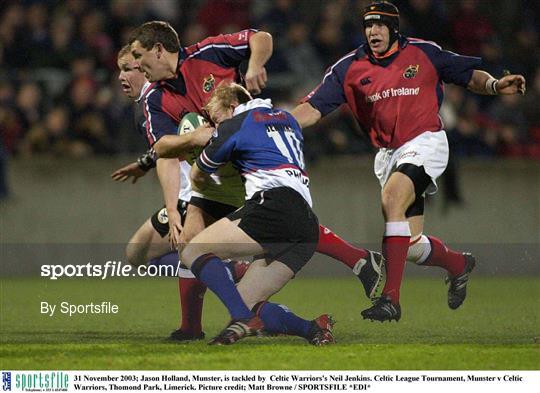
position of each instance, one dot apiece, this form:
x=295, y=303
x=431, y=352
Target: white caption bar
x=272, y=381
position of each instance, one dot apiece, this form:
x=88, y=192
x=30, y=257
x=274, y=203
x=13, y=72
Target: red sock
x=191, y=298
x=332, y=245
x=395, y=246
x=442, y=256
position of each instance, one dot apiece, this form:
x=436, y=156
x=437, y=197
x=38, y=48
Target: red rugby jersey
x=397, y=98
x=201, y=67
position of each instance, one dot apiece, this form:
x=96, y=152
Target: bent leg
x=223, y=239
x=146, y=244
x=261, y=281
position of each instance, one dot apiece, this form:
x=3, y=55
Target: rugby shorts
x=160, y=220
x=283, y=223
x=428, y=150
x=215, y=209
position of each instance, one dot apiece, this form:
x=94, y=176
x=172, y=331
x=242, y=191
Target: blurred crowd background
x=60, y=96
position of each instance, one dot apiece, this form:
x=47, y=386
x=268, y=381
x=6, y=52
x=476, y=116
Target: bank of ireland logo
x=209, y=83
x=6, y=381
x=411, y=71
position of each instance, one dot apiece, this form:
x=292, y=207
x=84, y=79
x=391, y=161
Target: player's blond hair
x=226, y=94
x=124, y=51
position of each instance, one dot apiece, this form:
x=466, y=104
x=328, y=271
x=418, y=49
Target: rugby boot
x=457, y=291
x=383, y=310
x=180, y=335
x=370, y=272
x=321, y=331
x=239, y=329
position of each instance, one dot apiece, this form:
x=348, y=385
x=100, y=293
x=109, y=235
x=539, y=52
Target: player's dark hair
x=150, y=33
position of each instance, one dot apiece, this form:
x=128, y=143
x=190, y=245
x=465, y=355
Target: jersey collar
x=364, y=52
x=147, y=85
x=256, y=103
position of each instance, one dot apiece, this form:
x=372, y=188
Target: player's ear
x=159, y=49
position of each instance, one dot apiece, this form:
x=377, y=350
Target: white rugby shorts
x=429, y=150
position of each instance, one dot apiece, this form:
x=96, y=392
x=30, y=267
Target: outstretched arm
x=306, y=115
x=261, y=47
x=483, y=83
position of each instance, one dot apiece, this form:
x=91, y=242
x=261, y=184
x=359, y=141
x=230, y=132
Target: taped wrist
x=491, y=86
x=147, y=160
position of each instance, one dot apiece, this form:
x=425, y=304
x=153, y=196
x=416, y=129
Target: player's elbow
x=164, y=148
x=160, y=149
x=262, y=40
x=263, y=36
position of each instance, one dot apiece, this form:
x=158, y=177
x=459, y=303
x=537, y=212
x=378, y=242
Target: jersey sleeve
x=220, y=148
x=329, y=95
x=157, y=122
x=451, y=67
x=225, y=50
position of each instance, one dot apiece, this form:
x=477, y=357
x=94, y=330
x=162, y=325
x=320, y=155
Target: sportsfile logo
x=6, y=381
x=109, y=269
x=55, y=381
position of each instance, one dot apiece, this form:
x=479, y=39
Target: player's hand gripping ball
x=188, y=124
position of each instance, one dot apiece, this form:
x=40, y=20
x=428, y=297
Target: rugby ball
x=188, y=124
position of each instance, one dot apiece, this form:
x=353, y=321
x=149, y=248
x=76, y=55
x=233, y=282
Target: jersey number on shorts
x=287, y=143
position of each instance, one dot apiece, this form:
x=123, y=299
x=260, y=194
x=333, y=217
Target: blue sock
x=212, y=271
x=279, y=319
x=169, y=259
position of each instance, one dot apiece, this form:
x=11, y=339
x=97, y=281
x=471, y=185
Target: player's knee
x=393, y=202
x=135, y=255
x=191, y=252
x=419, y=251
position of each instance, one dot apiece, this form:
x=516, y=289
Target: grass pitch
x=496, y=329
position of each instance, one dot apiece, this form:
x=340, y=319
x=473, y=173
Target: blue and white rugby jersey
x=265, y=146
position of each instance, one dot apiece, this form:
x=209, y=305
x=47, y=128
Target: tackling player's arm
x=216, y=154
x=174, y=146
x=261, y=48
x=483, y=83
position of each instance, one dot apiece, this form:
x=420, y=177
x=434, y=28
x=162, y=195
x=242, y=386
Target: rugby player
x=183, y=79
x=394, y=86
x=149, y=241
x=276, y=223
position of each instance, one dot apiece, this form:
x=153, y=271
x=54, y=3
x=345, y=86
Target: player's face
x=148, y=61
x=130, y=77
x=378, y=37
